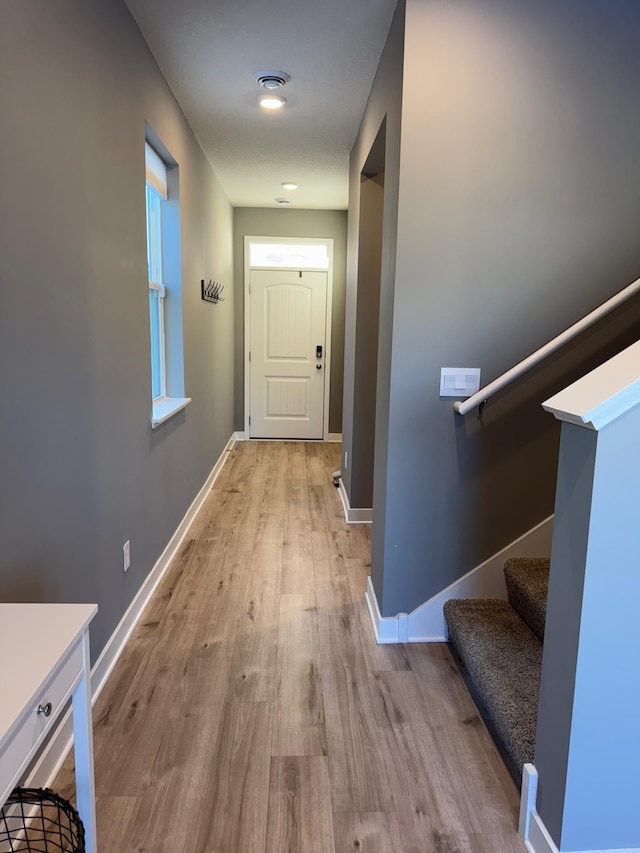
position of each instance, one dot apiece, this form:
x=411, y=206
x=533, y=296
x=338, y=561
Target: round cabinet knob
x=45, y=709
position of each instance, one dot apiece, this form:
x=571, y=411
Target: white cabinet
x=44, y=660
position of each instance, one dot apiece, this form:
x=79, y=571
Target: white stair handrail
x=481, y=396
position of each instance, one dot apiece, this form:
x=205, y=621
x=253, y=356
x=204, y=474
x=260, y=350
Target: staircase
x=498, y=647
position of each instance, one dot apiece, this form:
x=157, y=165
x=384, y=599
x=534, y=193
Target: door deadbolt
x=319, y=351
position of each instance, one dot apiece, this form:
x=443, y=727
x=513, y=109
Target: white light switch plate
x=459, y=381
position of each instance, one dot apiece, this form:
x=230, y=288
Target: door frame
x=325, y=241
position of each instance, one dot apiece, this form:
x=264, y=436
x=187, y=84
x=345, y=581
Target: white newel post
x=587, y=747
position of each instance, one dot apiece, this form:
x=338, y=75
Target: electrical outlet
x=346, y=459
x=126, y=555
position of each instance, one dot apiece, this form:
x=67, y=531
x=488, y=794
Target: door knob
x=318, y=367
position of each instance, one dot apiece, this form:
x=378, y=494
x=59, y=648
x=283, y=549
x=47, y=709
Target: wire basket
x=36, y=820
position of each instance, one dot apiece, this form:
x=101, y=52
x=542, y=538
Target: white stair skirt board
x=532, y=829
x=426, y=624
x=528, y=794
x=55, y=751
x=353, y=516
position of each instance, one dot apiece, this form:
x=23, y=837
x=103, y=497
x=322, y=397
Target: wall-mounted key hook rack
x=211, y=291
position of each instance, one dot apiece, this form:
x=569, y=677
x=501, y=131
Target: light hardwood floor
x=252, y=710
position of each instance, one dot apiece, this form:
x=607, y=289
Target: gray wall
x=518, y=212
x=274, y=222
x=81, y=469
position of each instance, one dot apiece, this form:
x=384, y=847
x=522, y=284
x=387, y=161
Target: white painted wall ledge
x=426, y=624
x=602, y=395
x=353, y=515
x=166, y=408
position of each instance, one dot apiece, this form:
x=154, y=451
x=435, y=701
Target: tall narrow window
x=156, y=194
x=164, y=274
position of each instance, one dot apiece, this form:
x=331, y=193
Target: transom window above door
x=291, y=255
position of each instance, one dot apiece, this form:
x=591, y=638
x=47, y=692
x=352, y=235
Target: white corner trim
x=334, y=437
x=426, y=624
x=52, y=757
x=385, y=630
x=528, y=794
x=374, y=610
x=353, y=516
x=240, y=436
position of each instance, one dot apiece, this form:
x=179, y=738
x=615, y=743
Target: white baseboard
x=353, y=516
x=54, y=753
x=540, y=841
x=426, y=624
x=334, y=437
x=387, y=630
x=535, y=834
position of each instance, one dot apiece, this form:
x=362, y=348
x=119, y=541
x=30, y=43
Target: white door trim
x=326, y=241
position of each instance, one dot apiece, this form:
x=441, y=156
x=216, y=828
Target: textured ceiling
x=210, y=52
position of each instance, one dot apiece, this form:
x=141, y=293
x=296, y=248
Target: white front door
x=287, y=353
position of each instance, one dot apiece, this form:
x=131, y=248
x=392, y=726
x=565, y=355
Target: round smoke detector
x=272, y=79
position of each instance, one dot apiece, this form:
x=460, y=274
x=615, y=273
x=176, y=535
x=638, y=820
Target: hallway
x=252, y=711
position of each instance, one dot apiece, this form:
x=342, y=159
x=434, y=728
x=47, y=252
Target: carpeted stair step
x=501, y=659
x=527, y=587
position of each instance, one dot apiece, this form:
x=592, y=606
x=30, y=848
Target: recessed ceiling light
x=272, y=102
x=283, y=201
x=272, y=79
x=289, y=185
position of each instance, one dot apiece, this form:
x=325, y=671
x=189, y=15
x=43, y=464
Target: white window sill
x=166, y=408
